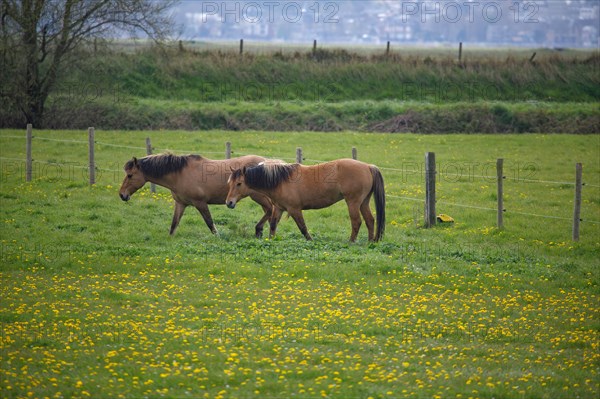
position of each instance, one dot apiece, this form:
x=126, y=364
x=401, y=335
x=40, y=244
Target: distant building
x=538, y=23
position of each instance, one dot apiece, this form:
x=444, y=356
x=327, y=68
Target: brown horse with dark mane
x=294, y=187
x=193, y=180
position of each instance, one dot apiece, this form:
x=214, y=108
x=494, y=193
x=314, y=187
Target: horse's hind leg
x=203, y=209
x=365, y=210
x=299, y=219
x=179, y=208
x=354, y=211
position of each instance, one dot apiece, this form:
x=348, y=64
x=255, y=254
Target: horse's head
x=134, y=179
x=237, y=187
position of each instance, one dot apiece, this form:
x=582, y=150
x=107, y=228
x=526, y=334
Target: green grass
x=97, y=300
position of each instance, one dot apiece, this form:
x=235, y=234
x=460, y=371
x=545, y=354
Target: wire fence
x=301, y=159
x=405, y=171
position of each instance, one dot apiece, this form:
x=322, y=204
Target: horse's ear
x=244, y=171
x=135, y=162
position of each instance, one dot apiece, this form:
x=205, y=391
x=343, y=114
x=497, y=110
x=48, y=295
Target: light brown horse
x=193, y=180
x=294, y=187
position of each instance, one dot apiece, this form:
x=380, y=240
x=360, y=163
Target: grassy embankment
x=333, y=90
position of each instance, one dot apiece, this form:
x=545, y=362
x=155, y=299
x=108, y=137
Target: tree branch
x=40, y=35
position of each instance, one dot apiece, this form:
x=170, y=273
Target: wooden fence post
x=241, y=46
x=387, y=50
x=532, y=57
x=354, y=154
x=460, y=52
x=228, y=150
x=314, y=50
x=430, y=172
x=577, y=206
x=500, y=178
x=299, y=155
x=149, y=152
x=92, y=165
x=29, y=161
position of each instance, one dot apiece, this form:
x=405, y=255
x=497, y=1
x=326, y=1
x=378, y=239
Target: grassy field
x=98, y=301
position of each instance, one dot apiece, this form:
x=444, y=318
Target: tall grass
x=342, y=76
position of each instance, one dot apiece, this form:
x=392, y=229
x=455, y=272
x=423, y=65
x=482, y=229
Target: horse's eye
x=129, y=176
x=239, y=184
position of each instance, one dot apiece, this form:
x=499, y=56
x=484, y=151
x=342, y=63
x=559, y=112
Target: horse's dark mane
x=157, y=166
x=267, y=175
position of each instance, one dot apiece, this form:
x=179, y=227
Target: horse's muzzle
x=230, y=204
x=124, y=197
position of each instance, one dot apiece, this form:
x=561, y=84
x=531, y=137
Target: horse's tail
x=379, y=195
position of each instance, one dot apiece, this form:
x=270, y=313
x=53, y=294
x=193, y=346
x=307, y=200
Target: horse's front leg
x=275, y=218
x=299, y=219
x=258, y=229
x=267, y=207
x=177, y=214
x=203, y=209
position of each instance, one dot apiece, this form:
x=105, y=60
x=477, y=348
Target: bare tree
x=37, y=38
